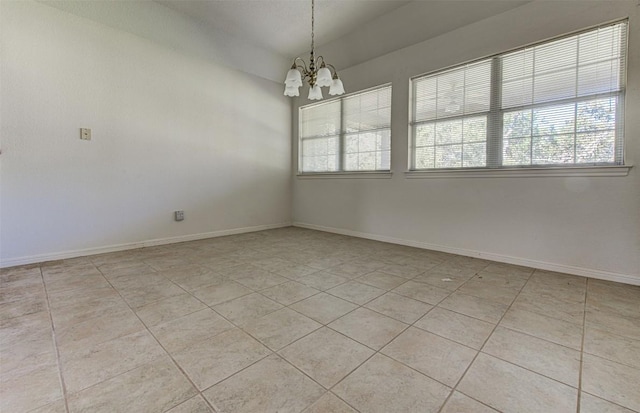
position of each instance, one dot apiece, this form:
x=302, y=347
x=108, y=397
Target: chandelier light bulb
x=293, y=78
x=292, y=91
x=315, y=93
x=324, y=77
x=336, y=87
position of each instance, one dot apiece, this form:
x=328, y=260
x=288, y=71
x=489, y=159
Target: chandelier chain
x=312, y=22
x=317, y=73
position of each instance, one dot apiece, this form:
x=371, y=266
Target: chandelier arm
x=332, y=67
x=303, y=66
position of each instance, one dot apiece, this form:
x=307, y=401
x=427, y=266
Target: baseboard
x=33, y=259
x=567, y=269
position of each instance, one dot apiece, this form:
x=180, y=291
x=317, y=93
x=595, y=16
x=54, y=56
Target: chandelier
x=317, y=73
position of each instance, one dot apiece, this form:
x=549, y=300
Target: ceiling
x=283, y=26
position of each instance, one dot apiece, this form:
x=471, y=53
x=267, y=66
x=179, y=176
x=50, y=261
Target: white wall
x=582, y=225
x=170, y=131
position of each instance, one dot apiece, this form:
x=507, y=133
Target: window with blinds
x=450, y=116
x=349, y=134
x=557, y=103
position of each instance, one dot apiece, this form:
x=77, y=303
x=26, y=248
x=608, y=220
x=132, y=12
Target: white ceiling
x=283, y=26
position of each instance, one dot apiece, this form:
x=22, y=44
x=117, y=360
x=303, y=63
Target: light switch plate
x=85, y=134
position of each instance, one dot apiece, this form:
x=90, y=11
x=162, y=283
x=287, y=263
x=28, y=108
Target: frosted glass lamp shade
x=291, y=91
x=336, y=87
x=293, y=78
x=324, y=77
x=315, y=93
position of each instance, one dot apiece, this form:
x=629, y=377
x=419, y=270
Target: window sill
x=345, y=175
x=605, y=171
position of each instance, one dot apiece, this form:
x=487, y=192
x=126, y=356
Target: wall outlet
x=178, y=215
x=85, y=134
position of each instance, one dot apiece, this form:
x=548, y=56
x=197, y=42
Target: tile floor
x=293, y=320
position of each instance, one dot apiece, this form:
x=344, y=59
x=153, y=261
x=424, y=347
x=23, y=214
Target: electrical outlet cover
x=85, y=134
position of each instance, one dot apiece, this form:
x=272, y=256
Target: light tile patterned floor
x=293, y=320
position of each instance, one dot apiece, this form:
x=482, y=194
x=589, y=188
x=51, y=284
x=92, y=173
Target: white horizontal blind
x=561, y=100
x=352, y=133
x=449, y=117
x=367, y=129
x=320, y=127
x=551, y=104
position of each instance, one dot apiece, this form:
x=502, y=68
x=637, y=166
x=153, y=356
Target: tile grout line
x=476, y=272
x=455, y=387
x=528, y=369
x=584, y=332
x=552, y=316
x=159, y=273
x=161, y=346
x=276, y=352
x=239, y=327
x=539, y=338
x=326, y=326
x=409, y=325
x=617, y=404
x=375, y=352
x=188, y=292
x=386, y=291
x=55, y=344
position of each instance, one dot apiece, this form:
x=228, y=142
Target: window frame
x=495, y=116
x=412, y=108
x=341, y=172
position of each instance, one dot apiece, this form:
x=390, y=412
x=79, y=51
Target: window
x=349, y=134
x=557, y=103
x=450, y=116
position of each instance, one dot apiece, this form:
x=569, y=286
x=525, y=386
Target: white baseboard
x=32, y=259
x=567, y=269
